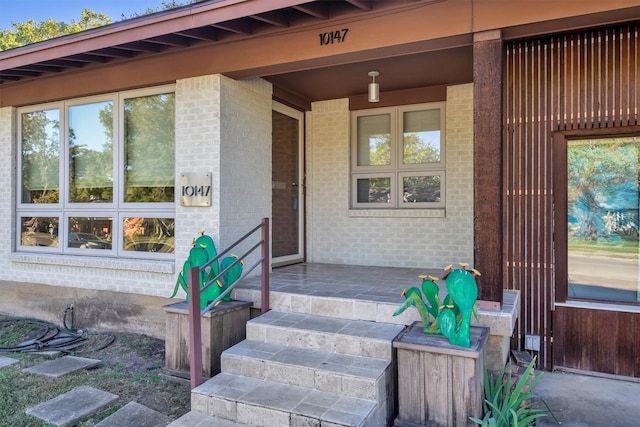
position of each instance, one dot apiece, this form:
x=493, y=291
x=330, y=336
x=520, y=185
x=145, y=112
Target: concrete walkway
x=583, y=401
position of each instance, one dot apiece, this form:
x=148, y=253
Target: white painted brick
x=411, y=238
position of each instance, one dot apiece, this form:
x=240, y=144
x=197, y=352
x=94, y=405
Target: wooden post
x=487, y=166
x=195, y=328
x=266, y=265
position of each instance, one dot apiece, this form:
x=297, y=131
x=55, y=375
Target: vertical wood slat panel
x=610, y=79
x=547, y=333
x=589, y=81
x=574, y=81
x=525, y=183
x=574, y=77
x=624, y=78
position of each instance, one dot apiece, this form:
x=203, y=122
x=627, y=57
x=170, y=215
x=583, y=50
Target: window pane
x=39, y=231
x=602, y=204
x=149, y=149
x=90, y=233
x=41, y=157
x=421, y=189
x=421, y=137
x=374, y=140
x=374, y=190
x=149, y=234
x=91, y=153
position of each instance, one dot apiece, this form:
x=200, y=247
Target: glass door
x=287, y=186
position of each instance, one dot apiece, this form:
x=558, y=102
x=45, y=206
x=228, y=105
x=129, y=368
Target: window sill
x=142, y=265
x=600, y=306
x=397, y=213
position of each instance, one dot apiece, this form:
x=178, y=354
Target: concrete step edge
x=199, y=419
x=354, y=376
x=263, y=403
x=353, y=337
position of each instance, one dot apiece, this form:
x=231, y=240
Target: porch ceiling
x=434, y=68
x=215, y=22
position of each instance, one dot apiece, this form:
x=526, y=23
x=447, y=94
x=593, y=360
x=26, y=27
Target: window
x=398, y=157
x=603, y=175
x=97, y=176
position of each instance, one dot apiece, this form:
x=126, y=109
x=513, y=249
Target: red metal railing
x=194, y=291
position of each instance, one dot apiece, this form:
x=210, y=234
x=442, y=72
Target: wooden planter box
x=222, y=327
x=439, y=384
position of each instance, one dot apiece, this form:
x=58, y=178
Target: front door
x=287, y=185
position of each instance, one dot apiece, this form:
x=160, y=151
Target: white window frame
x=397, y=170
x=381, y=205
x=64, y=209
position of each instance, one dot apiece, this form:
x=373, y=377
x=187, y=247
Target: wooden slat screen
x=586, y=80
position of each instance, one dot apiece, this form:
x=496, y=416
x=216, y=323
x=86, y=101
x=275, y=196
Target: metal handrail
x=194, y=291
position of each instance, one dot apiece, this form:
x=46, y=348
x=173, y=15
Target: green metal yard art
x=202, y=252
x=452, y=316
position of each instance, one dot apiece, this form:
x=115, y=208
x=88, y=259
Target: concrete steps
x=298, y=369
x=266, y=404
x=354, y=337
x=359, y=377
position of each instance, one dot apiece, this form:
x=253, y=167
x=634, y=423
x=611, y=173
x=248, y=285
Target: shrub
x=510, y=404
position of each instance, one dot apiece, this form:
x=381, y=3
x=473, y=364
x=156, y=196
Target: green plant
x=508, y=404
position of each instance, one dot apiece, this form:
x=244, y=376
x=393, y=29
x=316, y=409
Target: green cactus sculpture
x=201, y=253
x=451, y=317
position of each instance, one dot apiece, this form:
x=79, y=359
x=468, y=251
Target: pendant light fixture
x=374, y=88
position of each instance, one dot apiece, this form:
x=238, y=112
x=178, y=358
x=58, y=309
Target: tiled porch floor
x=362, y=292
x=367, y=283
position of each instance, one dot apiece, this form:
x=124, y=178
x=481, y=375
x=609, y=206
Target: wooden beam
x=361, y=4
x=487, y=164
x=320, y=11
x=278, y=19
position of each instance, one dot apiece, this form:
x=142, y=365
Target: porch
x=324, y=351
x=368, y=293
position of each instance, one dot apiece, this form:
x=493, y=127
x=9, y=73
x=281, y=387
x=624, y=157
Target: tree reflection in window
x=602, y=210
x=41, y=157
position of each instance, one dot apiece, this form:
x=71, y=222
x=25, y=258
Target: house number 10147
x=331, y=37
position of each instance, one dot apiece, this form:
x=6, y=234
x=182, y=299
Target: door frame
x=300, y=256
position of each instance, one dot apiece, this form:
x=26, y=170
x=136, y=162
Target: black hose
x=52, y=339
x=64, y=317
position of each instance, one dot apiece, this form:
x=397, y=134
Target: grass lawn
x=131, y=367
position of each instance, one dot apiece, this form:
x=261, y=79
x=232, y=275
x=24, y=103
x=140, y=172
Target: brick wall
x=197, y=151
x=7, y=184
x=245, y=172
x=219, y=118
x=403, y=238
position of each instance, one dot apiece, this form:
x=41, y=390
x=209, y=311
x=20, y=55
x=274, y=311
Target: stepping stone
x=198, y=419
x=71, y=407
x=6, y=361
x=135, y=415
x=49, y=354
x=63, y=366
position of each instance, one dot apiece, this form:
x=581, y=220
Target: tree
x=30, y=31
